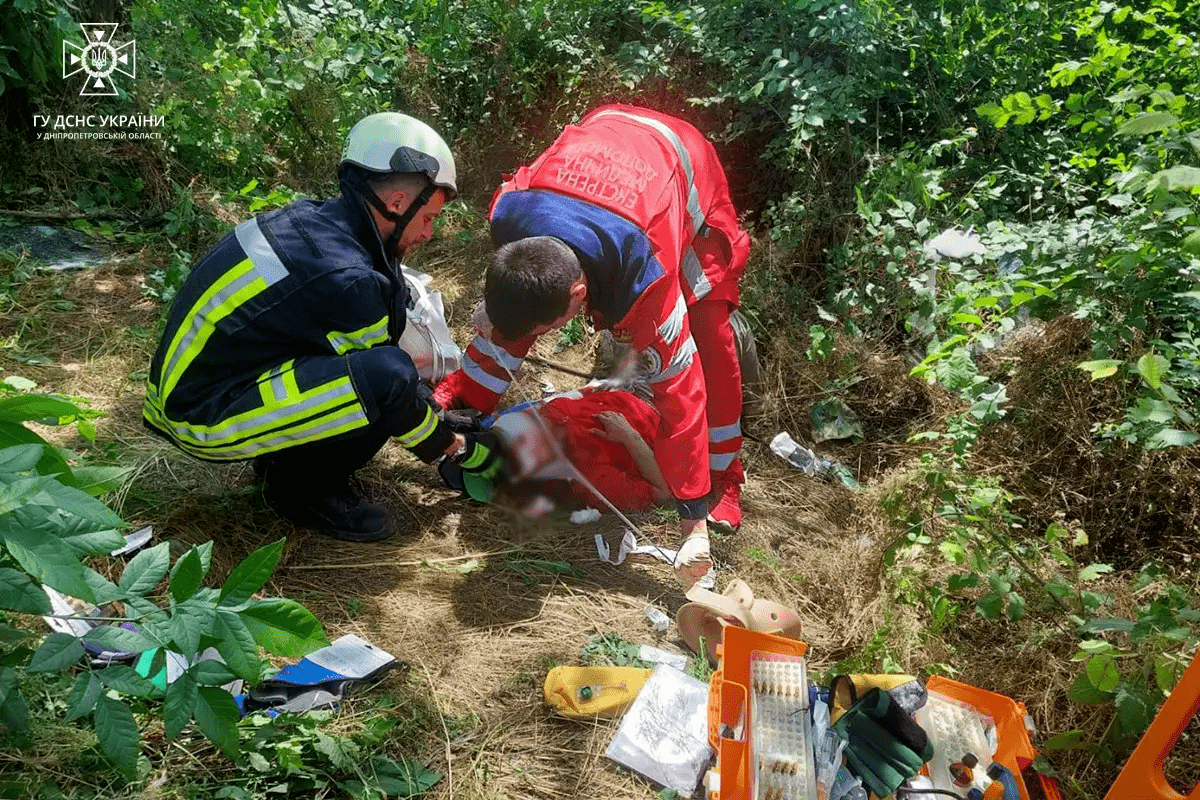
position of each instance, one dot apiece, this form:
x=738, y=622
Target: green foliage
x=297, y=754
x=570, y=334
x=253, y=86
x=48, y=525
x=31, y=37
x=1134, y=662
x=608, y=649
x=971, y=553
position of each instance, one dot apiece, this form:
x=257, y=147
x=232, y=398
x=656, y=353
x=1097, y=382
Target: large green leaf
x=1102, y=671
x=1151, y=122
x=217, y=715
x=1191, y=243
x=1152, y=367
x=125, y=679
x=87, y=541
x=117, y=732
x=20, y=458
x=210, y=672
x=1171, y=437
x=51, y=462
x=179, y=705
x=1103, y=368
x=84, y=694
x=1133, y=712
x=14, y=714
x=250, y=575
x=44, y=557
x=103, y=590
x=58, y=651
x=146, y=569
x=9, y=680
x=1083, y=691
x=9, y=634
x=21, y=492
x=237, y=646
x=84, y=536
x=149, y=617
x=18, y=592
x=69, y=500
x=1069, y=740
x=284, y=627
x=186, y=576
x=1179, y=178
x=110, y=637
x=190, y=620
x=403, y=778
x=97, y=480
x=205, y=551
x=21, y=408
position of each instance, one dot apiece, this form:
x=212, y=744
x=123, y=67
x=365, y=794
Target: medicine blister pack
x=781, y=728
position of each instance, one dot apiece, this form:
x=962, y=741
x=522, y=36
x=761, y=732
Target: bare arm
x=616, y=428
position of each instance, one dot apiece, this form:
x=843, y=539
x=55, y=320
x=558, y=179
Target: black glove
x=460, y=421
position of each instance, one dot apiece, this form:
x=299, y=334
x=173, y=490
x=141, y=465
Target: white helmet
x=390, y=142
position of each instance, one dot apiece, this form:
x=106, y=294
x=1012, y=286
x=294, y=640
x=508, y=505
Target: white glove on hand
x=693, y=560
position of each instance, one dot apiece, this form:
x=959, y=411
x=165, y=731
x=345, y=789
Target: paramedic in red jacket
x=627, y=216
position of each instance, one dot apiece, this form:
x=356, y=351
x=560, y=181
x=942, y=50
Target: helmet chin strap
x=360, y=187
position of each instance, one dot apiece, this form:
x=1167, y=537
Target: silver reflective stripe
x=681, y=360
x=498, y=354
x=670, y=329
x=278, y=388
x=693, y=273
x=261, y=418
x=725, y=432
x=259, y=250
x=489, y=382
x=685, y=159
x=200, y=322
x=719, y=462
x=352, y=418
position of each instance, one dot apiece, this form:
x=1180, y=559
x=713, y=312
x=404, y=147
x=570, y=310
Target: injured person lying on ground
x=572, y=451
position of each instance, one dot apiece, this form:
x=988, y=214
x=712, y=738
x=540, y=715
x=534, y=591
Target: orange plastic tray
x=728, y=700
x=1014, y=750
x=1143, y=776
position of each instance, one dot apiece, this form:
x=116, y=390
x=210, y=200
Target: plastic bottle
x=658, y=618
x=784, y=446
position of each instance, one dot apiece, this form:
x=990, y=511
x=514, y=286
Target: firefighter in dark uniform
x=282, y=344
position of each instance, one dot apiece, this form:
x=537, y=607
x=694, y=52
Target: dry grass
x=449, y=593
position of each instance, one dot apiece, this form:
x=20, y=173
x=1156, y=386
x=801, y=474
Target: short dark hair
x=529, y=284
x=411, y=183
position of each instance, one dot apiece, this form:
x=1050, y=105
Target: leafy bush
x=48, y=527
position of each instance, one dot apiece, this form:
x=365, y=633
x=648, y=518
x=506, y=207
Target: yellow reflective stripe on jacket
x=260, y=269
x=278, y=384
x=360, y=339
x=294, y=409
x=333, y=424
x=222, y=298
x=421, y=432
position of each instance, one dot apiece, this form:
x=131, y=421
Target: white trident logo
x=99, y=58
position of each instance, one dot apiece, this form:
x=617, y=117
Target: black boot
x=339, y=513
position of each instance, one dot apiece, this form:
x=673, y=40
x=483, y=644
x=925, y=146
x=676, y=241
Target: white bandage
x=693, y=560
